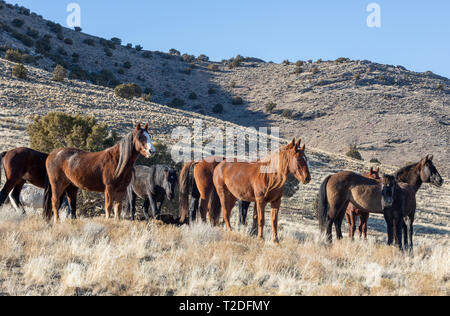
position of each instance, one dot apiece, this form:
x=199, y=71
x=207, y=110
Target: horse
x=261, y=182
x=108, y=171
x=22, y=165
x=337, y=191
x=403, y=206
x=196, y=186
x=353, y=212
x=153, y=184
x=414, y=175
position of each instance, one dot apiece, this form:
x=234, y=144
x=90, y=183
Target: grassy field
x=99, y=257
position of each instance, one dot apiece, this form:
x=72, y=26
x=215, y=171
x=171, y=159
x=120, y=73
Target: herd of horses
x=212, y=186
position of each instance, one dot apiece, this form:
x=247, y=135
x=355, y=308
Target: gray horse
x=153, y=184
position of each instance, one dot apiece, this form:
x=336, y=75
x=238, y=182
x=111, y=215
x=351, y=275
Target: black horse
x=153, y=184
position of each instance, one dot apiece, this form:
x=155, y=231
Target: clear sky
x=413, y=33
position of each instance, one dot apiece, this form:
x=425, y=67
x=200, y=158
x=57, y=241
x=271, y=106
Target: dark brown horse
x=22, y=165
x=196, y=186
x=261, y=182
x=339, y=190
x=109, y=171
x=353, y=213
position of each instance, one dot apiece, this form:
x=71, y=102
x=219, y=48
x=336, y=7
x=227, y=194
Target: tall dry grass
x=99, y=257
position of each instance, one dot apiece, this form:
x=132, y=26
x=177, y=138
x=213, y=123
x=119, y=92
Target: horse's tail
x=214, y=206
x=2, y=155
x=48, y=213
x=187, y=182
x=322, y=208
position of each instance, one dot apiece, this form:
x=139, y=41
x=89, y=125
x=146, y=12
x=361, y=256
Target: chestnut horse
x=22, y=165
x=261, y=182
x=353, y=213
x=196, y=185
x=109, y=171
x=339, y=190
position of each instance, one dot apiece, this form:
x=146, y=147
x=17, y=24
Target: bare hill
x=391, y=113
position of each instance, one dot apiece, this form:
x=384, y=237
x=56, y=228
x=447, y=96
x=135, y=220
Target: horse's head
x=143, y=142
x=388, y=185
x=429, y=173
x=374, y=174
x=170, y=180
x=298, y=163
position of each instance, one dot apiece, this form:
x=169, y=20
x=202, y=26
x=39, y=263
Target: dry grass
x=99, y=257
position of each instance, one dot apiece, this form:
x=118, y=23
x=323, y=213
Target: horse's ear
x=303, y=148
x=378, y=170
x=138, y=127
x=430, y=158
x=298, y=143
x=146, y=127
x=372, y=171
x=292, y=144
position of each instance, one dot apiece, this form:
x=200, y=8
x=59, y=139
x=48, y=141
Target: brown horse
x=339, y=190
x=22, y=165
x=261, y=182
x=196, y=184
x=109, y=171
x=353, y=213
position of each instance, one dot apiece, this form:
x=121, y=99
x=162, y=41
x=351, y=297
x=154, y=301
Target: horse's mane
x=406, y=170
x=275, y=166
x=126, y=147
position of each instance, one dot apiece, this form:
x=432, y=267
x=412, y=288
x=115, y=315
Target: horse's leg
x=410, y=227
x=15, y=197
x=275, y=212
x=350, y=224
x=243, y=211
x=338, y=224
x=261, y=204
x=254, y=230
x=158, y=216
x=7, y=188
x=390, y=226
x=230, y=202
x=203, y=209
x=364, y=224
x=117, y=200
x=108, y=202
x=72, y=193
x=398, y=227
x=57, y=192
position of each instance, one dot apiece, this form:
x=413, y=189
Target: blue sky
x=414, y=34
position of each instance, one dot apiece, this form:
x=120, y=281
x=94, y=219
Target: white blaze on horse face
x=150, y=148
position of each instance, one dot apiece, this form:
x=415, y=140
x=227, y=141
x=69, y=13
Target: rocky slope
x=392, y=114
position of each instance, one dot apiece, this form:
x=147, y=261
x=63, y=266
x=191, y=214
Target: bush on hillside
x=354, y=153
x=237, y=101
x=17, y=23
x=20, y=71
x=177, y=103
x=218, y=108
x=213, y=67
x=59, y=74
x=68, y=41
x=270, y=107
x=128, y=91
x=59, y=130
x=13, y=55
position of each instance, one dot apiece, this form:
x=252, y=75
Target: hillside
x=391, y=113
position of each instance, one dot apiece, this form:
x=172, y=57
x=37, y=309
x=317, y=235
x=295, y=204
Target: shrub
x=121, y=71
x=213, y=67
x=286, y=62
x=68, y=41
x=28, y=59
x=319, y=61
x=147, y=97
x=128, y=91
x=77, y=29
x=108, y=52
x=43, y=46
x=375, y=161
x=270, y=107
x=177, y=103
x=354, y=153
x=174, y=52
x=287, y=114
x=32, y=33
x=127, y=65
x=440, y=87
x=89, y=41
x=13, y=55
x=58, y=130
x=187, y=70
x=147, y=55
x=233, y=84
x=218, y=108
x=59, y=74
x=237, y=101
x=203, y=57
x=211, y=91
x=54, y=27
x=341, y=60
x=61, y=51
x=235, y=62
x=314, y=70
x=17, y=23
x=188, y=58
x=193, y=96
x=298, y=70
x=300, y=63
x=129, y=46
x=116, y=40
x=139, y=48
x=20, y=71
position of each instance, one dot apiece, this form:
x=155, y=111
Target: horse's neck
x=131, y=160
x=414, y=179
x=279, y=170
